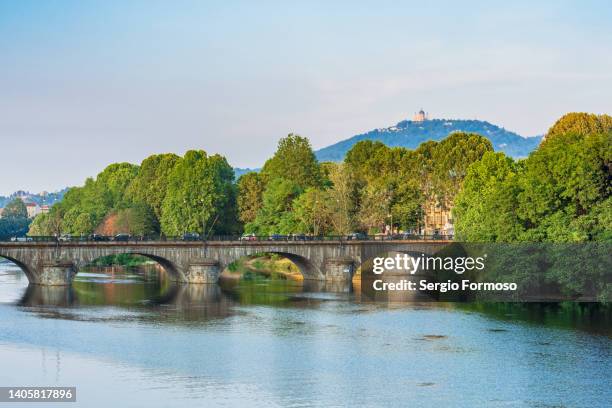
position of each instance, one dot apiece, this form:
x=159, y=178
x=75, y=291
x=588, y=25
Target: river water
x=132, y=339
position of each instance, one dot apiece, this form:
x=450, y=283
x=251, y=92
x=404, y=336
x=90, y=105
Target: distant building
x=33, y=209
x=44, y=209
x=438, y=219
x=420, y=116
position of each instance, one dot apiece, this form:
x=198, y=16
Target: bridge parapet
x=56, y=263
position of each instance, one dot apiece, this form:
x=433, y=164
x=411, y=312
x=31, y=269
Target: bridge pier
x=203, y=270
x=339, y=269
x=56, y=273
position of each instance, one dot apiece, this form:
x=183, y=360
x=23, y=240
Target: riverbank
x=264, y=266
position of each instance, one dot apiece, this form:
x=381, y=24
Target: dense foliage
x=560, y=193
x=14, y=221
x=375, y=186
x=165, y=194
x=200, y=197
x=15, y=209
x=580, y=123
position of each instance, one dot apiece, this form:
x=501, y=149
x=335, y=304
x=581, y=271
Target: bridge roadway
x=56, y=263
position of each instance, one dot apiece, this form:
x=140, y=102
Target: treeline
x=166, y=194
x=375, y=186
x=560, y=193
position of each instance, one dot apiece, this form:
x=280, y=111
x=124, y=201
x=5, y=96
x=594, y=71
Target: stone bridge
x=56, y=263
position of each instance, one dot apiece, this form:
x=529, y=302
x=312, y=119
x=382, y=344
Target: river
x=132, y=339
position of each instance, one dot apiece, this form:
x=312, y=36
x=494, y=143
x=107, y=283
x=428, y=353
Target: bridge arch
x=307, y=268
x=27, y=269
x=169, y=265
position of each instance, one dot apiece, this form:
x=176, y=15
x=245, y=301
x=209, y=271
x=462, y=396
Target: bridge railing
x=242, y=238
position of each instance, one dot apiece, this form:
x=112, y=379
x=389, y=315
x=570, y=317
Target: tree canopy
x=151, y=183
x=250, y=190
x=136, y=200
x=560, y=193
x=200, y=196
x=580, y=123
x=294, y=160
x=16, y=208
x=14, y=221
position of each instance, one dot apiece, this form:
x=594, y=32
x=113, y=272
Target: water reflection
x=36, y=296
x=589, y=317
x=285, y=343
x=148, y=290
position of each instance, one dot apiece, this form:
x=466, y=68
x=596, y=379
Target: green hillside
x=411, y=134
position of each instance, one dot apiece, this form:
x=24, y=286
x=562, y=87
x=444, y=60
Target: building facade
x=438, y=219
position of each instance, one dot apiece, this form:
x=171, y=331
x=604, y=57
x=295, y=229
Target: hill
x=411, y=134
x=40, y=198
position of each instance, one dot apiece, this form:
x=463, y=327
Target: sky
x=87, y=83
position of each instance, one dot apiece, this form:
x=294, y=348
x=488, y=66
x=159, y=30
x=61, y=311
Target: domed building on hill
x=420, y=116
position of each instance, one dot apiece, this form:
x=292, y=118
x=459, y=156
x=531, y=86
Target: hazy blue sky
x=86, y=83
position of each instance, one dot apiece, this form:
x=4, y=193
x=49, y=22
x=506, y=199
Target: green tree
x=250, y=191
x=15, y=209
x=486, y=210
x=560, y=193
x=39, y=225
x=151, y=183
x=275, y=215
x=375, y=208
x=406, y=205
x=580, y=123
x=200, y=196
x=84, y=208
x=451, y=159
x=294, y=160
x=13, y=227
x=137, y=219
x=311, y=212
x=342, y=199
x=564, y=180
x=49, y=224
x=112, y=183
x=359, y=158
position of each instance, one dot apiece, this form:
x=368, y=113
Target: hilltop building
x=420, y=116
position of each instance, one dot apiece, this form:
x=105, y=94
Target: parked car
x=65, y=238
x=248, y=237
x=98, y=237
x=298, y=237
x=22, y=239
x=356, y=236
x=191, y=236
x=121, y=237
x=277, y=237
